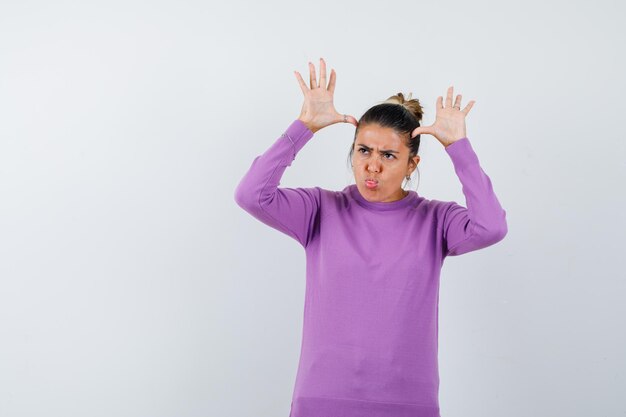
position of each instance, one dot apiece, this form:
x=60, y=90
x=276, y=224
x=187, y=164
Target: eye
x=362, y=150
x=389, y=154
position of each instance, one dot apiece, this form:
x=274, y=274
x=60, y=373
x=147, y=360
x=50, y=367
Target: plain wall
x=131, y=284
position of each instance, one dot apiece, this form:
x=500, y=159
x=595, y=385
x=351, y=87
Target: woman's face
x=381, y=162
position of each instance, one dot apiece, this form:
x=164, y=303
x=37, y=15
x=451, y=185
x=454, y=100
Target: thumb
x=346, y=118
x=420, y=130
x=352, y=120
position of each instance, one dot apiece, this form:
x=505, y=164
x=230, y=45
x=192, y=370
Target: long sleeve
x=483, y=222
x=292, y=211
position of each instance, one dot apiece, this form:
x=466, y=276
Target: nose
x=373, y=167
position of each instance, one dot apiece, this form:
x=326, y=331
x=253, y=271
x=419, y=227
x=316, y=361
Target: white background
x=131, y=284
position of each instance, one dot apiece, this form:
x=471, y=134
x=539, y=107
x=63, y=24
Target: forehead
x=376, y=136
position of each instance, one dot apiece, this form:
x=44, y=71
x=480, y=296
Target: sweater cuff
x=298, y=134
x=462, y=153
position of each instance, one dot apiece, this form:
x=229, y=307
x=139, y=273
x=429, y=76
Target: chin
x=375, y=194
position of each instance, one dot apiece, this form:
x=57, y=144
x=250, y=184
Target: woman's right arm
x=291, y=210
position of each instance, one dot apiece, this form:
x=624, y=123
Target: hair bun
x=412, y=105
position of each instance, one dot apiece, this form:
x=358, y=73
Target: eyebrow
x=383, y=150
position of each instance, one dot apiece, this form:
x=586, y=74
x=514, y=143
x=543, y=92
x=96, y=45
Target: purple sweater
x=370, y=331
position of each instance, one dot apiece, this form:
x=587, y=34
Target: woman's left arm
x=483, y=222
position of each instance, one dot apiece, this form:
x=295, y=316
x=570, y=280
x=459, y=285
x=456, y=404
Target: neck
x=403, y=194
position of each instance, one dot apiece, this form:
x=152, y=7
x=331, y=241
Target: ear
x=414, y=161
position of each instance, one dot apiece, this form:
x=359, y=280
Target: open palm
x=318, y=109
x=449, y=123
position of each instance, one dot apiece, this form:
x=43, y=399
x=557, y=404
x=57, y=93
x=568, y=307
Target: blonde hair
x=412, y=105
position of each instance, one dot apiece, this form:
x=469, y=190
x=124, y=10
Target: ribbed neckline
x=406, y=201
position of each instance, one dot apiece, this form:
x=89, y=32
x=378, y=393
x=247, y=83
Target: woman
x=374, y=253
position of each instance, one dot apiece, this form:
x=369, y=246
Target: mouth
x=371, y=183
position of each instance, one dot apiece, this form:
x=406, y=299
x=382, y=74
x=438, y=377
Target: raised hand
x=318, y=110
x=449, y=123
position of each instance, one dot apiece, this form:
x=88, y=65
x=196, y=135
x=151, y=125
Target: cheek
x=395, y=174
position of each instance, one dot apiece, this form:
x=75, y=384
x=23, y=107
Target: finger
x=352, y=120
x=449, y=97
x=469, y=107
x=421, y=129
x=345, y=118
x=457, y=102
x=322, y=73
x=333, y=80
x=312, y=79
x=439, y=103
x=303, y=86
